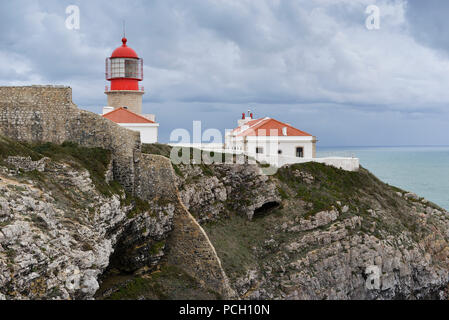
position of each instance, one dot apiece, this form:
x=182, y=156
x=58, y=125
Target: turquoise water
x=422, y=170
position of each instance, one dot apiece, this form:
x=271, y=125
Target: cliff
x=316, y=232
x=80, y=202
x=87, y=212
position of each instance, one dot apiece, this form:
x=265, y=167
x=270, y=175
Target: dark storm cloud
x=299, y=61
x=428, y=21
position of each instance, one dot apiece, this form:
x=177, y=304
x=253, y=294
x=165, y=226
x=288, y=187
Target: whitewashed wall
x=148, y=131
x=348, y=164
x=288, y=145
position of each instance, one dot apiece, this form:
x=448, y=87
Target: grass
x=234, y=238
x=10, y=147
x=284, y=195
x=168, y=283
x=335, y=181
x=139, y=205
x=95, y=160
x=157, y=148
x=157, y=247
x=177, y=170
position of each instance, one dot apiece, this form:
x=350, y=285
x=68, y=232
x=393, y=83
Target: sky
x=311, y=63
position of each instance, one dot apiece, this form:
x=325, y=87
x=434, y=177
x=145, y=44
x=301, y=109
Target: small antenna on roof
x=124, y=28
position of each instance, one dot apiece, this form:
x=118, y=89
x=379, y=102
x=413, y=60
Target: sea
x=422, y=170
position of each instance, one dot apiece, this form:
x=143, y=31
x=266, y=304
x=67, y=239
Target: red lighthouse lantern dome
x=124, y=51
x=124, y=69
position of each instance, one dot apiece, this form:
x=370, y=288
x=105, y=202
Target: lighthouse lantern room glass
x=117, y=68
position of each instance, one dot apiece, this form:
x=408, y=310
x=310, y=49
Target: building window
x=279, y=151
x=300, y=152
x=259, y=150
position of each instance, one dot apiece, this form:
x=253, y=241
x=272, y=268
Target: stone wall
x=42, y=95
x=47, y=114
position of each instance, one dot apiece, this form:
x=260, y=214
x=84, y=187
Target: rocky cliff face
x=65, y=226
x=58, y=231
x=316, y=232
x=68, y=231
x=217, y=191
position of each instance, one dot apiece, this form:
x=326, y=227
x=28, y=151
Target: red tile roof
x=122, y=115
x=268, y=127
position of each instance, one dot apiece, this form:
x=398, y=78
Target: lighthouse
x=124, y=71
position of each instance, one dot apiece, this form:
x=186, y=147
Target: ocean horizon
x=423, y=170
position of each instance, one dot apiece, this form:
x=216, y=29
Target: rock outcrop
x=216, y=191
x=337, y=235
x=55, y=241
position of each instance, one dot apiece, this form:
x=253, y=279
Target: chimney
x=244, y=120
x=107, y=109
x=150, y=117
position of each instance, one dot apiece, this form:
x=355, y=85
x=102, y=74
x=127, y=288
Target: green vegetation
x=234, y=239
x=10, y=147
x=157, y=148
x=177, y=170
x=230, y=239
x=329, y=185
x=157, y=247
x=332, y=181
x=139, y=205
x=361, y=191
x=168, y=283
x=95, y=160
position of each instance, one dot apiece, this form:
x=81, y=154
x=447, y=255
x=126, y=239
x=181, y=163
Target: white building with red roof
x=270, y=137
x=271, y=141
x=125, y=118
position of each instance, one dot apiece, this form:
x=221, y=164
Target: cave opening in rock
x=266, y=208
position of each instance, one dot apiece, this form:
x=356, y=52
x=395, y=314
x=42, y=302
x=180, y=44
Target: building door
x=300, y=152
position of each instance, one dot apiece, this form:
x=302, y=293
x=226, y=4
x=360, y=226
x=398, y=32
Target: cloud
x=211, y=59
